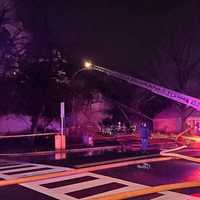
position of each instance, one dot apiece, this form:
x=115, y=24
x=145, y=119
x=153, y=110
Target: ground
x=118, y=172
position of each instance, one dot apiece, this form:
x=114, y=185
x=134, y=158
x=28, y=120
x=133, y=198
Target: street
x=93, y=180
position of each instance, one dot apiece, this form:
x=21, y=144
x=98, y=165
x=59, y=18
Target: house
x=168, y=121
x=194, y=121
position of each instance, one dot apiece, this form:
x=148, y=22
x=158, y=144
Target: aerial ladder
x=154, y=88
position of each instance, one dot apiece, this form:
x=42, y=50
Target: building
x=194, y=121
x=170, y=121
x=167, y=121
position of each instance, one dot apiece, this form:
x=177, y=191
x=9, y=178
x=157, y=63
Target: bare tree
x=14, y=39
x=176, y=61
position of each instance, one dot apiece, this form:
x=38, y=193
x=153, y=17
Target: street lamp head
x=88, y=64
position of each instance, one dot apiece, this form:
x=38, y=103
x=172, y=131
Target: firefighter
x=144, y=137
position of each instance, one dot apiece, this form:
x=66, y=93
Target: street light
x=88, y=65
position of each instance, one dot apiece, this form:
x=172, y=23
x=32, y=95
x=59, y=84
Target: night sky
x=119, y=34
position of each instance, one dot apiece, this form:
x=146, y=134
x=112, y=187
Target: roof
x=170, y=112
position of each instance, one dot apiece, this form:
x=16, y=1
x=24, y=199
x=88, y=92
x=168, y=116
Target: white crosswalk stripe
x=60, y=192
x=16, y=169
x=63, y=188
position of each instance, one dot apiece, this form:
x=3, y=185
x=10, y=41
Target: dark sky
x=119, y=34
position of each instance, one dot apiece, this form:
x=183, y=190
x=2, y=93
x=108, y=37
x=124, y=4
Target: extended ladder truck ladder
x=154, y=88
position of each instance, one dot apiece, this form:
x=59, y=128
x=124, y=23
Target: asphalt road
x=97, y=183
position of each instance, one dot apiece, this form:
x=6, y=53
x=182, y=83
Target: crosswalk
x=79, y=186
x=12, y=170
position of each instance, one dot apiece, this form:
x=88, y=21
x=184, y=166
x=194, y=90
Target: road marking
x=15, y=167
x=155, y=189
x=63, y=192
x=56, y=172
x=25, y=171
x=22, y=170
x=84, y=187
x=57, y=184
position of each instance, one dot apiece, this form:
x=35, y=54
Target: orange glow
x=192, y=138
